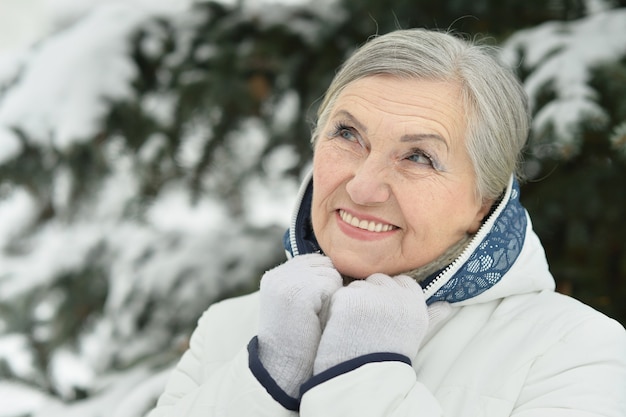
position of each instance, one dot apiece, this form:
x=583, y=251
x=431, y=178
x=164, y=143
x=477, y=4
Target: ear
x=480, y=216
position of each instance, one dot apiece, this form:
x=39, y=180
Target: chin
x=358, y=268
x=349, y=268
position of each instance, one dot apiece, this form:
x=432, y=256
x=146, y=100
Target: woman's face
x=394, y=186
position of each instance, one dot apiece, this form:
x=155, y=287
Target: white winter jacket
x=511, y=347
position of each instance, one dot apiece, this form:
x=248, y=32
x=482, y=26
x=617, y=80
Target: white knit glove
x=294, y=304
x=378, y=314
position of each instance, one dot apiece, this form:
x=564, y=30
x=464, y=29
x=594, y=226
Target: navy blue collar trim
x=304, y=237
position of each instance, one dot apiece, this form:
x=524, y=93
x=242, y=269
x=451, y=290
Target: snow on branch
x=60, y=98
x=558, y=58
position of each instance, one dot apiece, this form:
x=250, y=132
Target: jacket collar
x=299, y=239
x=490, y=254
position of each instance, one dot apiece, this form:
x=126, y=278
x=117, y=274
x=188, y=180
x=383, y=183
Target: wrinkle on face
x=394, y=127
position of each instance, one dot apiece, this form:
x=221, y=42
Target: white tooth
x=364, y=224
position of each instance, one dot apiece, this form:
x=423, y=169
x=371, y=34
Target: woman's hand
x=294, y=303
x=378, y=314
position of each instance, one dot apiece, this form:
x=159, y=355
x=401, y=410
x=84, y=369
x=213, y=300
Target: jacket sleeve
x=583, y=374
x=368, y=387
x=210, y=382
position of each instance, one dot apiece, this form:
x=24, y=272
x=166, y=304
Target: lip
x=363, y=234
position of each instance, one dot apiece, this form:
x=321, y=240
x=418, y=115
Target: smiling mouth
x=365, y=224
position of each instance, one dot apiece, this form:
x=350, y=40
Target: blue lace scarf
x=492, y=257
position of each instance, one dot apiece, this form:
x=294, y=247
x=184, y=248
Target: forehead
x=392, y=102
x=402, y=89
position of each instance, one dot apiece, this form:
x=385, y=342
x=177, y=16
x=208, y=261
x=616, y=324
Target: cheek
x=320, y=186
x=432, y=212
x=327, y=182
x=328, y=169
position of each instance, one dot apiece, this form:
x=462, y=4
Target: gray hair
x=493, y=99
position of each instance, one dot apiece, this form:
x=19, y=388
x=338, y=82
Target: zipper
x=483, y=231
x=294, y=217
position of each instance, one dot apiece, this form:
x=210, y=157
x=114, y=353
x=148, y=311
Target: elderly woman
x=415, y=285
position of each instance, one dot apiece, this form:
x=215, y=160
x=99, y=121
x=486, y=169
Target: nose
x=369, y=185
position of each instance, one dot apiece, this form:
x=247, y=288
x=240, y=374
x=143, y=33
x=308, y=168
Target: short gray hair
x=496, y=105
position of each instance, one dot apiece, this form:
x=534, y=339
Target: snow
x=14, y=351
x=69, y=370
x=151, y=147
x=26, y=22
x=117, y=393
x=561, y=55
x=329, y=11
x=11, y=145
x=190, y=152
x=17, y=210
x=285, y=111
x=135, y=403
x=70, y=73
x=173, y=212
x=23, y=399
x=60, y=100
x=59, y=247
x=22, y=24
x=56, y=249
x=120, y=186
x=276, y=198
x=160, y=107
x=618, y=138
x=10, y=63
x=56, y=103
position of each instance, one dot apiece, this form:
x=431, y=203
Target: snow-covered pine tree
x=575, y=74
x=149, y=163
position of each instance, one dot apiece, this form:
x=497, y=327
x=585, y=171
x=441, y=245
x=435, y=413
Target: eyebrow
x=413, y=137
x=417, y=137
x=353, y=120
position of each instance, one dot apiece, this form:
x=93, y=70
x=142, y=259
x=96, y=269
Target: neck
x=445, y=259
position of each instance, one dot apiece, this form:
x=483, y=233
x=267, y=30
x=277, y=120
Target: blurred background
x=150, y=153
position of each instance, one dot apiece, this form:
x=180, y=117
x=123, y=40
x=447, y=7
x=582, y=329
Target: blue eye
x=420, y=157
x=345, y=132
